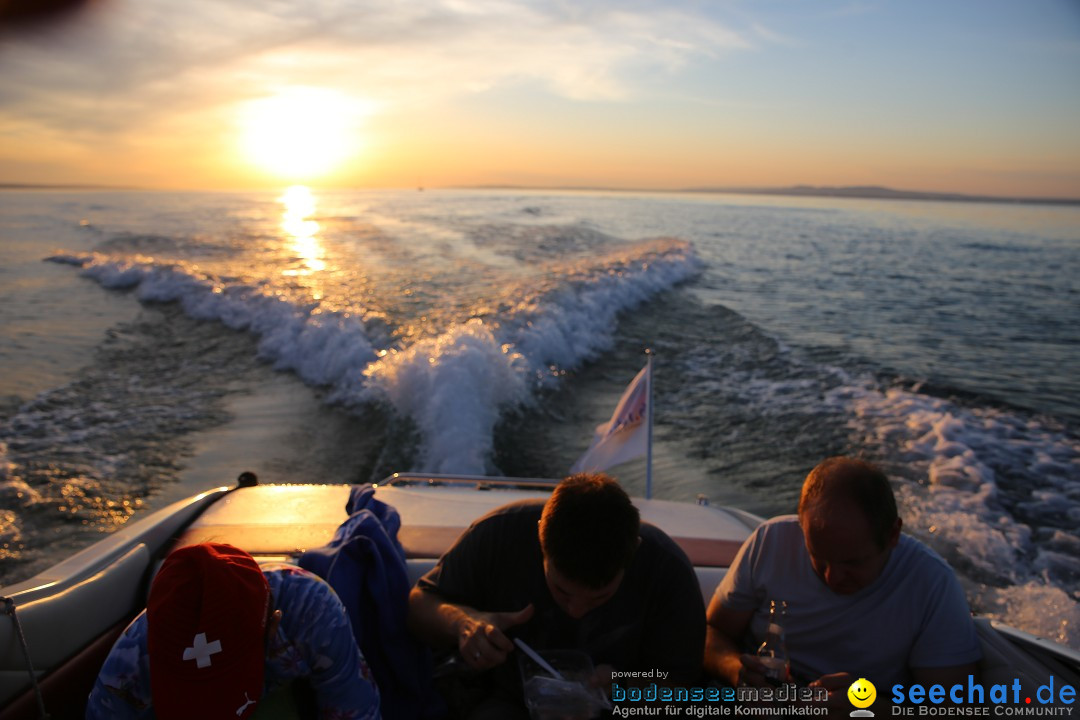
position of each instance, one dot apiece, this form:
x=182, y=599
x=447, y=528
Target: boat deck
x=280, y=522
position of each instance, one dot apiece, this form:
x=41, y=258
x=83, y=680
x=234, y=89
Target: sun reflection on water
x=303, y=232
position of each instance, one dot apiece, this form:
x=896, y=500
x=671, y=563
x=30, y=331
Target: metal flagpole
x=648, y=451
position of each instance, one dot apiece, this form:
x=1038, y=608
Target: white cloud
x=134, y=61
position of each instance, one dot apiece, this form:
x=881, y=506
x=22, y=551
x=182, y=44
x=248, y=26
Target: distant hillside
x=875, y=192
x=72, y=186
x=871, y=192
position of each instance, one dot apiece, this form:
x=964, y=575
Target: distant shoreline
x=863, y=192
x=884, y=193
x=64, y=186
x=868, y=192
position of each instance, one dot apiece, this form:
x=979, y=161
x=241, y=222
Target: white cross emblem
x=201, y=650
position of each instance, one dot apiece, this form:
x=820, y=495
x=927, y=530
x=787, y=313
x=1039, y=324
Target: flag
x=626, y=435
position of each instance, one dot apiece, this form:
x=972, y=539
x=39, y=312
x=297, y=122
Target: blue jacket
x=365, y=564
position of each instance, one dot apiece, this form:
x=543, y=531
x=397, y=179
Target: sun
x=301, y=133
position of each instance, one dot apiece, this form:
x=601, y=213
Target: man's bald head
x=841, y=481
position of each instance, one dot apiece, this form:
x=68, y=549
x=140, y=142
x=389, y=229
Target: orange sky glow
x=979, y=97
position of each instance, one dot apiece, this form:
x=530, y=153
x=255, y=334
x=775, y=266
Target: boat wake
x=452, y=387
x=991, y=489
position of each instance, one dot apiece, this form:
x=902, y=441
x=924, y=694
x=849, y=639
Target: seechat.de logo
x=974, y=698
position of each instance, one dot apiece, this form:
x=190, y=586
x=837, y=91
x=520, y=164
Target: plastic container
x=572, y=698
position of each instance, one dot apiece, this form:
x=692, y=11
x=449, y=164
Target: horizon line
x=866, y=192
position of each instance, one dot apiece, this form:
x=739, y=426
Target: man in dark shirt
x=579, y=571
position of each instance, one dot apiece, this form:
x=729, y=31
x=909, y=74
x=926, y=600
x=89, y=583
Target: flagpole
x=648, y=442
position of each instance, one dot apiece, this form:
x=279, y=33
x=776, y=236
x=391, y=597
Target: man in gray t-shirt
x=863, y=601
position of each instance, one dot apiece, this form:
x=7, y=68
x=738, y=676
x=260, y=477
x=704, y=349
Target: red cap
x=206, y=621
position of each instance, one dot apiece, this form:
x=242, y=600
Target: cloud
x=134, y=62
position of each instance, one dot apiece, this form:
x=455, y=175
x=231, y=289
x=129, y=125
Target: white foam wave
x=456, y=386
x=965, y=455
x=322, y=348
x=1036, y=607
x=576, y=320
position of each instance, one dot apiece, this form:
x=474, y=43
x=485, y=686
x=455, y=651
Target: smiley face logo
x=862, y=693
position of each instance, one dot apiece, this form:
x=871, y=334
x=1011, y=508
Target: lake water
x=156, y=344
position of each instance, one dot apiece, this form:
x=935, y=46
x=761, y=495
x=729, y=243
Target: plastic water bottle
x=773, y=651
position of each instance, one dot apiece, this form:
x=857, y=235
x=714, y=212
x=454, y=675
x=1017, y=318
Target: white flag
x=626, y=435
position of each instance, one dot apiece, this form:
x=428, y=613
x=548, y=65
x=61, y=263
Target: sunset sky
x=973, y=96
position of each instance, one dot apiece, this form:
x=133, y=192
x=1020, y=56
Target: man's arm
x=479, y=636
x=724, y=631
x=673, y=627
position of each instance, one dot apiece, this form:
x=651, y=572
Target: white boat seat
x=72, y=619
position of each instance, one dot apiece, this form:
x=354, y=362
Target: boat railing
x=479, y=482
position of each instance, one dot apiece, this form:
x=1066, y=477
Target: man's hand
x=601, y=678
x=752, y=672
x=837, y=684
x=482, y=641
